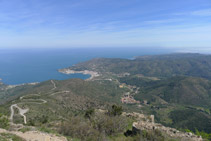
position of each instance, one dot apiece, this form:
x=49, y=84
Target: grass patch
x=8, y=137
x=25, y=129
x=46, y=130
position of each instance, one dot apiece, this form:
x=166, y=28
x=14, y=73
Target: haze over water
x=18, y=66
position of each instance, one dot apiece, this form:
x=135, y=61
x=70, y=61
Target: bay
x=26, y=65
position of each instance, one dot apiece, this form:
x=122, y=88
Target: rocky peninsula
x=86, y=72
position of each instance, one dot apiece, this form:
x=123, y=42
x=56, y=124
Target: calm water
x=18, y=66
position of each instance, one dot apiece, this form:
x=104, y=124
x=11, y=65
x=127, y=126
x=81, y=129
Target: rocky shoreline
x=69, y=71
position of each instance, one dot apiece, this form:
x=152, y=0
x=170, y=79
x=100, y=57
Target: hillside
x=165, y=85
x=75, y=94
x=181, y=90
x=74, y=108
x=8, y=92
x=181, y=102
x=174, y=96
x=158, y=66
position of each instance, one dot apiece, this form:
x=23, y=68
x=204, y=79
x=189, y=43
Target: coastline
x=69, y=71
x=13, y=86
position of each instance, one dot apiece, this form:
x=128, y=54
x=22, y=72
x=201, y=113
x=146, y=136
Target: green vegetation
x=9, y=93
x=176, y=89
x=9, y=137
x=115, y=110
x=203, y=134
x=96, y=127
x=4, y=122
x=89, y=113
x=25, y=129
x=47, y=130
x=191, y=119
x=153, y=66
x=179, y=101
x=181, y=90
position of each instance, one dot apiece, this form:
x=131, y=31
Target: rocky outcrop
x=147, y=123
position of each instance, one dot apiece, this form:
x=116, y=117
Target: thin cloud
x=163, y=21
x=203, y=12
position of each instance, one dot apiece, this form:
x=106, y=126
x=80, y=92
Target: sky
x=105, y=23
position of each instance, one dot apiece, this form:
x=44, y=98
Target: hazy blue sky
x=101, y=23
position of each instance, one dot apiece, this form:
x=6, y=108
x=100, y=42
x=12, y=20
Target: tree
x=4, y=121
x=89, y=113
x=115, y=110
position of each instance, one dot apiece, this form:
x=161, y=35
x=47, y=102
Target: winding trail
x=32, y=135
x=21, y=112
x=28, y=95
x=54, y=85
x=60, y=92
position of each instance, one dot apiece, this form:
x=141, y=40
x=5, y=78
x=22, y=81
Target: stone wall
x=147, y=123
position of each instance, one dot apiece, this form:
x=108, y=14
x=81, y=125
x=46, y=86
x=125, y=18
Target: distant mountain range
x=159, y=65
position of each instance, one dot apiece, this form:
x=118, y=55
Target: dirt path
x=54, y=85
x=42, y=101
x=32, y=135
x=28, y=95
x=35, y=135
x=21, y=112
x=60, y=92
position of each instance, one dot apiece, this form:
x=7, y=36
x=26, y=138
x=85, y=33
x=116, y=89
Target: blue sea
x=18, y=66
